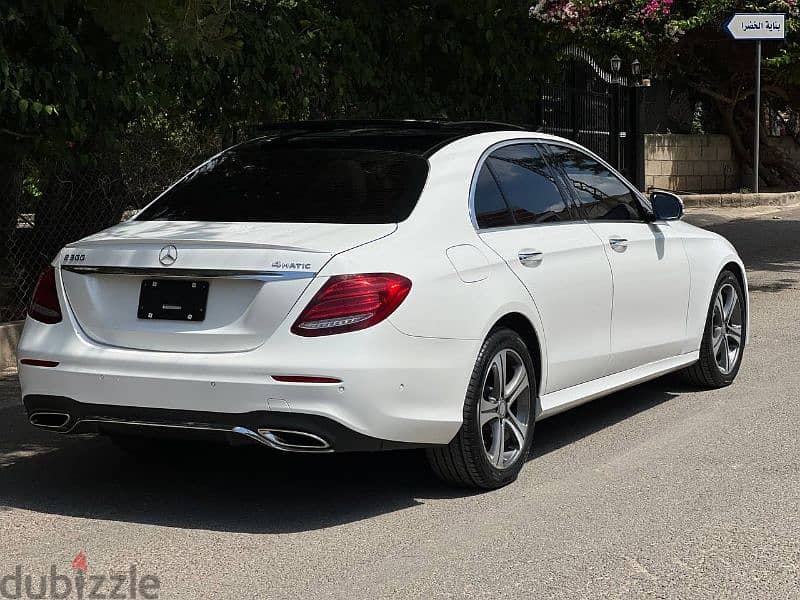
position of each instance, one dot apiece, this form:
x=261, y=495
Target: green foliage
x=309, y=59
x=683, y=43
x=673, y=37
x=472, y=59
x=73, y=74
x=77, y=73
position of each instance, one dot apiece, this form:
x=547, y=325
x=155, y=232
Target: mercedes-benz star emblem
x=168, y=255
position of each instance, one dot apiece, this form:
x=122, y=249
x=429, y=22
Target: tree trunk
x=726, y=112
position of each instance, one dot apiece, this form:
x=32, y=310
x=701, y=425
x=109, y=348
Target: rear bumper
x=280, y=431
x=393, y=387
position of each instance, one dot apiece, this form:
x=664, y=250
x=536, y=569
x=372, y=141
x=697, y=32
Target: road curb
x=740, y=200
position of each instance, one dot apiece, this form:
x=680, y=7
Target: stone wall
x=9, y=338
x=690, y=163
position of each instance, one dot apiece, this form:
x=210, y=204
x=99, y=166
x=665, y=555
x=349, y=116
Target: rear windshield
x=292, y=185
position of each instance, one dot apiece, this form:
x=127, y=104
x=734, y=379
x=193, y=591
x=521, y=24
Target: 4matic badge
x=291, y=265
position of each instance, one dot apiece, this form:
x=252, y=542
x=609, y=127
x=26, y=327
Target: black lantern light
x=636, y=67
x=616, y=64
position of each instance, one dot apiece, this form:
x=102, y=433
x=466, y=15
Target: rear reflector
x=305, y=379
x=352, y=302
x=44, y=304
x=35, y=362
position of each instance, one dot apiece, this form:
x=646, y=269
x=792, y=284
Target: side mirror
x=666, y=206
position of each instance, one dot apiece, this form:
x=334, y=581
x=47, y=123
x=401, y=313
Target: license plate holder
x=173, y=299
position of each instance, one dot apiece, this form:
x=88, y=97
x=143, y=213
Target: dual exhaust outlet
x=50, y=420
x=285, y=440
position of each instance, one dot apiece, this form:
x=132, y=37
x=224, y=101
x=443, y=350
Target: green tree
x=77, y=72
x=395, y=59
x=683, y=43
x=73, y=75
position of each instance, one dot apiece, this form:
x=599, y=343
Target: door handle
x=618, y=244
x=530, y=258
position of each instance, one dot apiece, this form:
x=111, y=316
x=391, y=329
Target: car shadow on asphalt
x=250, y=490
x=580, y=422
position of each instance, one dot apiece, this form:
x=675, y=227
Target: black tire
x=464, y=461
x=706, y=372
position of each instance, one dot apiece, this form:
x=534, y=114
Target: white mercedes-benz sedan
x=340, y=286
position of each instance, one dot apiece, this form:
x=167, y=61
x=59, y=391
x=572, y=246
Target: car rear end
x=220, y=311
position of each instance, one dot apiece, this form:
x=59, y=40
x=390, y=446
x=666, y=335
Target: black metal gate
x=597, y=109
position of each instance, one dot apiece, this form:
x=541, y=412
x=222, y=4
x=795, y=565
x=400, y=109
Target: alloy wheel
x=726, y=328
x=505, y=408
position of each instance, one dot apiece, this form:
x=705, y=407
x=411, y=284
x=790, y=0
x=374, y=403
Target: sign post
x=757, y=27
x=757, y=140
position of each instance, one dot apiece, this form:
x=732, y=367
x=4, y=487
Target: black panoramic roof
x=413, y=137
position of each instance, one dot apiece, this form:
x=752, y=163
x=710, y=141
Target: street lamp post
x=637, y=118
x=616, y=64
x=614, y=150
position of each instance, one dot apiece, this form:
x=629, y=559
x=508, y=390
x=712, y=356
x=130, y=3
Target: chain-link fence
x=45, y=205
x=70, y=204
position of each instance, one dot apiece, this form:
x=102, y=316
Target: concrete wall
x=9, y=338
x=690, y=163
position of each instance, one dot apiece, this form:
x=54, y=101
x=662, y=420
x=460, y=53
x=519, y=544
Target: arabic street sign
x=757, y=26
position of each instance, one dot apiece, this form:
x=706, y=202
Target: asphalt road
x=659, y=491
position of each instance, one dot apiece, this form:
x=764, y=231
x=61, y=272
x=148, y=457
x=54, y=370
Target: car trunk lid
x=254, y=273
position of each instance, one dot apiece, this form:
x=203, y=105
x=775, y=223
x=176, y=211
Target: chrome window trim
x=170, y=273
x=526, y=225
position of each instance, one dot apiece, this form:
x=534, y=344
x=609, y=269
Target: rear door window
x=256, y=183
x=528, y=184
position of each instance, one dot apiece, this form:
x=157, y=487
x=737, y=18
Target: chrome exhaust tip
x=295, y=441
x=49, y=420
x=286, y=440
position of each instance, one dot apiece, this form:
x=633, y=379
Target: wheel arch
x=522, y=325
x=738, y=271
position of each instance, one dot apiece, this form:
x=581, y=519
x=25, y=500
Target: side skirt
x=561, y=400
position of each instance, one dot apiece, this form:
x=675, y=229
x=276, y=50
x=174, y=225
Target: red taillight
x=44, y=305
x=352, y=302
